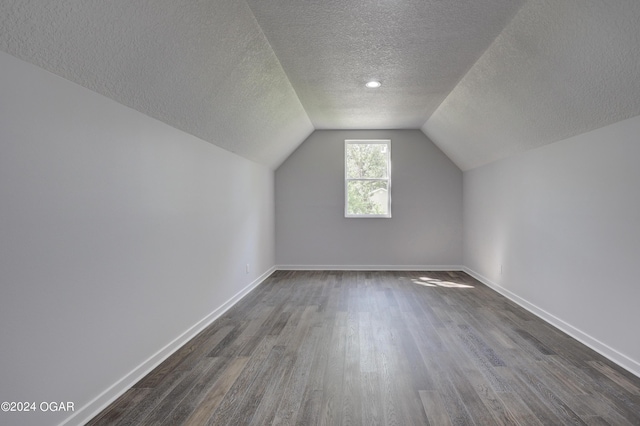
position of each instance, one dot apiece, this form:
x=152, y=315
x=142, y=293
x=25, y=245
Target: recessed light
x=373, y=84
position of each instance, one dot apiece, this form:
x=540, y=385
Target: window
x=367, y=178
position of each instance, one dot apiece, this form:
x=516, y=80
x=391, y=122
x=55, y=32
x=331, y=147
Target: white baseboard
x=603, y=349
x=369, y=268
x=102, y=401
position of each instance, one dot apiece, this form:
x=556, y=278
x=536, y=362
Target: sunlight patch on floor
x=434, y=282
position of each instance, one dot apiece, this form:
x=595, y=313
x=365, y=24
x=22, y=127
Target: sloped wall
x=559, y=69
x=119, y=236
x=204, y=67
x=426, y=225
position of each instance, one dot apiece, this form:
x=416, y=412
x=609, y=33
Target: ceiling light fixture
x=373, y=84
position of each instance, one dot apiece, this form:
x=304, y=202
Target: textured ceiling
x=484, y=79
x=418, y=49
x=204, y=67
x=560, y=68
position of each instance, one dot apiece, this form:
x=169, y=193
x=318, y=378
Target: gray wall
x=426, y=227
x=119, y=237
x=557, y=229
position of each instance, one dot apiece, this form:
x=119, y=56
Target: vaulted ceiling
x=484, y=79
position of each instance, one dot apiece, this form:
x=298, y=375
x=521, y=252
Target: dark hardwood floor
x=379, y=348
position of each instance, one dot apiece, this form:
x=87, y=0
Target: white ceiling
x=203, y=66
x=417, y=49
x=483, y=78
x=560, y=68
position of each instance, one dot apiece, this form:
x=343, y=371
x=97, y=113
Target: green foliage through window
x=367, y=178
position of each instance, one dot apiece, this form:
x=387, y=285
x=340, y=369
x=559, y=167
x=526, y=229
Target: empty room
x=261, y=212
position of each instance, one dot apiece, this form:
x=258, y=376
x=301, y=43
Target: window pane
x=367, y=197
x=367, y=160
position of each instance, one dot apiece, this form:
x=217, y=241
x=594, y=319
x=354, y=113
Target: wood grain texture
x=379, y=348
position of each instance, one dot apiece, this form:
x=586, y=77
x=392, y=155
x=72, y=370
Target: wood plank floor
x=379, y=348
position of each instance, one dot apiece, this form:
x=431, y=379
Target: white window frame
x=386, y=142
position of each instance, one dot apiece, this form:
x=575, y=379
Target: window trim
x=386, y=142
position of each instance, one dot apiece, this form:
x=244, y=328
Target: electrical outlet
x=247, y=268
x=501, y=269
